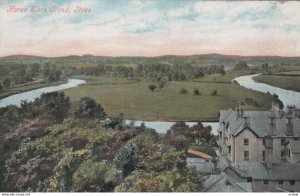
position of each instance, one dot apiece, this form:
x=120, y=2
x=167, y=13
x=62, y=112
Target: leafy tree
x=265, y=66
x=94, y=176
x=183, y=91
x=88, y=107
x=152, y=87
x=214, y=92
x=196, y=91
x=127, y=157
x=53, y=105
x=178, y=136
x=166, y=172
x=241, y=65
x=201, y=133
x=6, y=83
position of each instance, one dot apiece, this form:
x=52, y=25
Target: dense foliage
x=53, y=144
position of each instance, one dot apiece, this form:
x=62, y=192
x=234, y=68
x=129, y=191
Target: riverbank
x=285, y=81
x=32, y=94
x=28, y=87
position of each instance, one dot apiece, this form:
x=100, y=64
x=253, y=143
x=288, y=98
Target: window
x=282, y=142
x=263, y=155
x=280, y=182
x=246, y=155
x=246, y=142
x=229, y=149
x=264, y=142
x=292, y=182
x=266, y=181
x=249, y=179
x=289, y=152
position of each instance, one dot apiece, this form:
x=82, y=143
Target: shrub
x=183, y=91
x=214, y=92
x=152, y=87
x=196, y=91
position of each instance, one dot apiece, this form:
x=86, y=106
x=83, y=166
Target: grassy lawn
x=136, y=101
x=20, y=89
x=286, y=82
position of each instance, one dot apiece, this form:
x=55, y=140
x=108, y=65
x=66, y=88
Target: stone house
x=265, y=140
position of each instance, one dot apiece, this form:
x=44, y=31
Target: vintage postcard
x=149, y=96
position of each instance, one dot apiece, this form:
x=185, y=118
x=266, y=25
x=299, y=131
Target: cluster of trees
x=54, y=144
x=165, y=72
x=18, y=73
x=181, y=136
x=241, y=65
x=14, y=74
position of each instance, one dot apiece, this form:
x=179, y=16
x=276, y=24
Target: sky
x=150, y=28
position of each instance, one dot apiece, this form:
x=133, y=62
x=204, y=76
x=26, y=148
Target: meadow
x=136, y=101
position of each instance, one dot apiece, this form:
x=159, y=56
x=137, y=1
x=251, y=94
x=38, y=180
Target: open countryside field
x=286, y=82
x=136, y=101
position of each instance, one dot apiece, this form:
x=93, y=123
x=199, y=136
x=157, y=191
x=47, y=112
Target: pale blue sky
x=152, y=27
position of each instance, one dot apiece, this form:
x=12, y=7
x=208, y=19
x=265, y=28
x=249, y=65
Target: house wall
x=259, y=186
x=254, y=147
x=277, y=148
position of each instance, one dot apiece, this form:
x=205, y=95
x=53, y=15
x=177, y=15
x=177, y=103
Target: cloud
x=153, y=28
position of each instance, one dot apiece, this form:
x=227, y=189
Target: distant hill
x=195, y=60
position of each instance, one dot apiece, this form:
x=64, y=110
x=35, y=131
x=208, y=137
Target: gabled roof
x=225, y=183
x=258, y=123
x=246, y=128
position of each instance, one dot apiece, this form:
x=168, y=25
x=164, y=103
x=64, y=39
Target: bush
x=214, y=92
x=88, y=107
x=152, y=87
x=196, y=91
x=183, y=91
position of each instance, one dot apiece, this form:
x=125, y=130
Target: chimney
x=289, y=126
x=246, y=121
x=237, y=112
x=269, y=151
x=242, y=111
x=272, y=125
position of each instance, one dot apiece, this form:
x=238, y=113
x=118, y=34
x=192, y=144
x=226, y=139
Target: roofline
x=235, y=135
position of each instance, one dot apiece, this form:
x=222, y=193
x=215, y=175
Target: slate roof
x=224, y=183
x=201, y=165
x=258, y=123
x=282, y=171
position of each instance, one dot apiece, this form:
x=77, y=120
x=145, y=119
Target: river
x=288, y=97
x=31, y=95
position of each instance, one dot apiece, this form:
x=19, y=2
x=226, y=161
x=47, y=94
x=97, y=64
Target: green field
x=136, y=101
x=282, y=81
